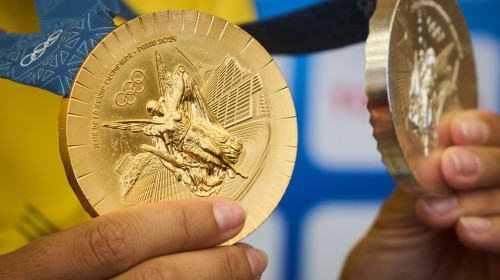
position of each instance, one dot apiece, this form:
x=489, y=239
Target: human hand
x=166, y=240
x=454, y=237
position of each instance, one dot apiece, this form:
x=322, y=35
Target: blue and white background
x=339, y=181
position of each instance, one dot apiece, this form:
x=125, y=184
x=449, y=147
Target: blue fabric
x=51, y=58
x=325, y=25
x=126, y=12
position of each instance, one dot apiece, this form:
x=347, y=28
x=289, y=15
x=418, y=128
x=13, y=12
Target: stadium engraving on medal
x=179, y=104
x=424, y=73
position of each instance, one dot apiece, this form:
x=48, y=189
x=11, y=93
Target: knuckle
x=108, y=243
x=41, y=252
x=187, y=234
x=232, y=260
x=493, y=200
x=156, y=271
x=490, y=200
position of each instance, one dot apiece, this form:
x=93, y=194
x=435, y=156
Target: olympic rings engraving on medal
x=130, y=88
x=40, y=49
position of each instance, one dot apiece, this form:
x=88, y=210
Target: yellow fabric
x=235, y=11
x=35, y=196
x=31, y=171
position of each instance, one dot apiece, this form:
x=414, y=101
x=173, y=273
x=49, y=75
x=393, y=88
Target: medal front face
x=420, y=62
x=179, y=104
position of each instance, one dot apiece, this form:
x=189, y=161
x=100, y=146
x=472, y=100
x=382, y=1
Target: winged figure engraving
x=186, y=136
x=433, y=81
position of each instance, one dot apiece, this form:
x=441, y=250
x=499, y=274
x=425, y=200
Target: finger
x=427, y=171
x=472, y=167
x=113, y=243
x=475, y=127
x=444, y=212
x=480, y=233
x=437, y=212
x=229, y=262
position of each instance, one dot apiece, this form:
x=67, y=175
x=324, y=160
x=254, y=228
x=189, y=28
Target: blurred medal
x=420, y=70
x=179, y=104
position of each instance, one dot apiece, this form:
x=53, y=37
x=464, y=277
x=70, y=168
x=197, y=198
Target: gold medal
x=179, y=104
x=420, y=69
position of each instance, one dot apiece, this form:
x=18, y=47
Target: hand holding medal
x=441, y=221
x=420, y=71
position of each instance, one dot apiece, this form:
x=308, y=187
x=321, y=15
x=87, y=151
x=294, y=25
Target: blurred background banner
x=339, y=181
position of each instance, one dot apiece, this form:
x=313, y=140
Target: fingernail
x=475, y=131
x=257, y=258
x=476, y=224
x=466, y=163
x=229, y=215
x=440, y=205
